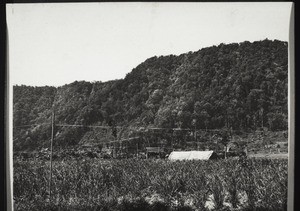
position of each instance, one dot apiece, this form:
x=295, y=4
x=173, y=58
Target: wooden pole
x=172, y=144
x=51, y=150
x=137, y=150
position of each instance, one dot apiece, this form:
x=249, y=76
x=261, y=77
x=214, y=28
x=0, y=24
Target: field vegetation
x=153, y=184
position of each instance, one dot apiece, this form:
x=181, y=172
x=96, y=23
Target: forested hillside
x=243, y=86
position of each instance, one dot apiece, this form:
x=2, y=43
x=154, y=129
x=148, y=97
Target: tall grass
x=244, y=184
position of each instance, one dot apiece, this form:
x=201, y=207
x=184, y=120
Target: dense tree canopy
x=243, y=86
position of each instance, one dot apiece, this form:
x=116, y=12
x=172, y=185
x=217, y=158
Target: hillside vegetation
x=243, y=86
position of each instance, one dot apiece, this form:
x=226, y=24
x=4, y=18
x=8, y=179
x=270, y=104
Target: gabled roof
x=190, y=155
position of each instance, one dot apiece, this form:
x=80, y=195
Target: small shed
x=154, y=151
x=192, y=155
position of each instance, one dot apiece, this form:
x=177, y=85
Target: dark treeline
x=242, y=86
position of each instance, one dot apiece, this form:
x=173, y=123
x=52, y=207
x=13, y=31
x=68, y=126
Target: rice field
x=132, y=184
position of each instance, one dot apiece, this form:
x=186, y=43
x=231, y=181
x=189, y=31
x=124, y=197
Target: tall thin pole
x=137, y=150
x=51, y=150
x=172, y=140
x=197, y=141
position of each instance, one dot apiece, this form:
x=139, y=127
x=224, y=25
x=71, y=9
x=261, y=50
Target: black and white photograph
x=174, y=106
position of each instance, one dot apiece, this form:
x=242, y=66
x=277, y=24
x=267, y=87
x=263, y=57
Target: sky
x=57, y=43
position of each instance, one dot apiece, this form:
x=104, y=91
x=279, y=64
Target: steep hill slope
x=242, y=86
